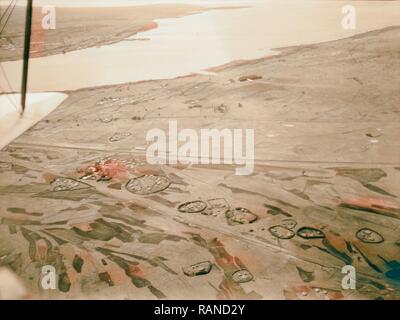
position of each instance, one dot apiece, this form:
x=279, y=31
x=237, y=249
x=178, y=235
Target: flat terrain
x=326, y=120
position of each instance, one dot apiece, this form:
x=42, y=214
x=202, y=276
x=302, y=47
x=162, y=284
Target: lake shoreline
x=69, y=37
x=197, y=42
x=278, y=82
x=326, y=126
x=278, y=53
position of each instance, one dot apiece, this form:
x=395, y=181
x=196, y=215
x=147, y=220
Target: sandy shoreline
x=80, y=28
x=326, y=120
x=335, y=90
x=194, y=43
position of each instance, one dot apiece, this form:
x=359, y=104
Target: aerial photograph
x=199, y=150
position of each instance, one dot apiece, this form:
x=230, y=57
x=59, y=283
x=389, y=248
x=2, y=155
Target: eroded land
x=80, y=28
x=326, y=120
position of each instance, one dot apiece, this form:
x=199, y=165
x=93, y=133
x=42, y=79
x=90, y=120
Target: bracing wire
x=8, y=12
x=8, y=17
x=5, y=11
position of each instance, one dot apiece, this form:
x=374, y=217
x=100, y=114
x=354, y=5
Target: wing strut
x=27, y=45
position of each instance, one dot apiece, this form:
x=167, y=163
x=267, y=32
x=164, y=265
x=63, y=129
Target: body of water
x=194, y=43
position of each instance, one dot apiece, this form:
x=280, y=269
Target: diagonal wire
x=14, y=103
x=8, y=18
x=5, y=11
